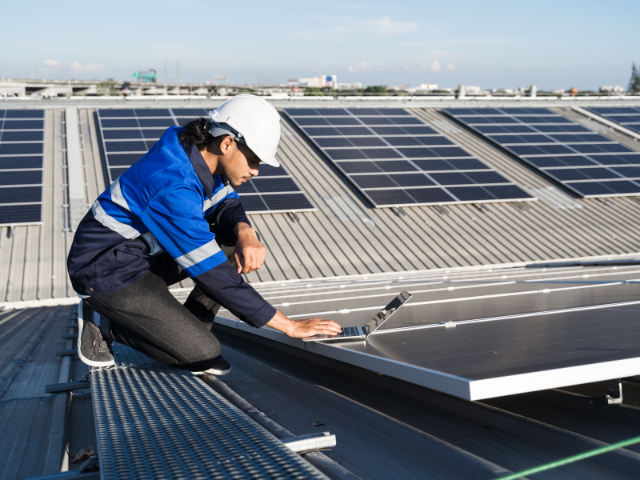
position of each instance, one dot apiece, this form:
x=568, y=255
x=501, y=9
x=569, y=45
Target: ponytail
x=197, y=133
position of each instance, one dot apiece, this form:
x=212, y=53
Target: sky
x=494, y=43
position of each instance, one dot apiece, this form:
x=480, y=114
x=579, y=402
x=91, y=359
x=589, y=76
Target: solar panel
x=589, y=164
x=478, y=334
x=628, y=117
x=21, y=166
x=395, y=159
x=128, y=134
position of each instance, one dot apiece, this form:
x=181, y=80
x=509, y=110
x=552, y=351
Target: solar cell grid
x=20, y=214
x=24, y=114
x=21, y=163
x=127, y=135
x=22, y=124
x=581, y=160
x=628, y=117
x=395, y=159
x=10, y=195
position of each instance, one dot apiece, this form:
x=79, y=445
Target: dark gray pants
x=147, y=318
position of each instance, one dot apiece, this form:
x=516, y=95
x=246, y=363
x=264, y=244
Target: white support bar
x=608, y=123
x=308, y=443
x=75, y=172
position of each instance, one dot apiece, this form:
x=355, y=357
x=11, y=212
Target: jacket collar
x=201, y=168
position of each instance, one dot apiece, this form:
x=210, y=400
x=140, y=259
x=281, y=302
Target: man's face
x=238, y=163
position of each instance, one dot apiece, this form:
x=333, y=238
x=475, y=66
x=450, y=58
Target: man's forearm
x=281, y=322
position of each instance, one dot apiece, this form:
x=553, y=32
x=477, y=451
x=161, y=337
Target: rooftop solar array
x=127, y=134
x=626, y=116
x=585, y=162
x=21, y=166
x=477, y=334
x=395, y=159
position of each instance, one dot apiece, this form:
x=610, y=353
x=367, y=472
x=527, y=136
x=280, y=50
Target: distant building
x=348, y=86
x=612, y=89
x=319, y=82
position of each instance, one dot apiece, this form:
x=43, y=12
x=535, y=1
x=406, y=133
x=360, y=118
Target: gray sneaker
x=93, y=348
x=219, y=367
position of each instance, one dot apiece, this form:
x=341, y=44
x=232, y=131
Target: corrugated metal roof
x=345, y=236
x=385, y=428
x=30, y=419
x=33, y=259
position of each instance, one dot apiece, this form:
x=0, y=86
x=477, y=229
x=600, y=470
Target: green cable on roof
x=572, y=459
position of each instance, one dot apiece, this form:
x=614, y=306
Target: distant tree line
x=108, y=87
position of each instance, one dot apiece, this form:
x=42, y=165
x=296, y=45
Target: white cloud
x=451, y=66
x=52, y=63
x=386, y=26
x=88, y=67
x=435, y=66
x=341, y=29
x=365, y=67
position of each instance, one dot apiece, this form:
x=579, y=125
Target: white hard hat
x=252, y=121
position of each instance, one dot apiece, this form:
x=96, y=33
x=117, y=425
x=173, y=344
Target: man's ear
x=226, y=145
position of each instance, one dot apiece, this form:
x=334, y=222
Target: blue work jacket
x=160, y=206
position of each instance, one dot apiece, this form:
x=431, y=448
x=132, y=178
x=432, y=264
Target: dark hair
x=197, y=133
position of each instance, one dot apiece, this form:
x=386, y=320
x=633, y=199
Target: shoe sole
x=211, y=371
x=85, y=360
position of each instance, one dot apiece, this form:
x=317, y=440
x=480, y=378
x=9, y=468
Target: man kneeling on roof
x=172, y=215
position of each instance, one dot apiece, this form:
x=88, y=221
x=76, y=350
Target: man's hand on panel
x=304, y=328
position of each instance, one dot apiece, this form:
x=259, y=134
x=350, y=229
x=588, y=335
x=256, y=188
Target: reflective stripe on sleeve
x=217, y=197
x=198, y=255
x=116, y=195
x=111, y=223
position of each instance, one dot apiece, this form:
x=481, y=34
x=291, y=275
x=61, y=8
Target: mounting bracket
x=311, y=442
x=614, y=392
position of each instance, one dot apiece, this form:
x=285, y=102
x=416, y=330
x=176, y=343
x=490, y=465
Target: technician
x=172, y=215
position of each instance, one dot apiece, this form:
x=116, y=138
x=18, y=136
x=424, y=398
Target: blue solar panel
x=24, y=114
x=395, y=159
x=190, y=112
x=20, y=214
x=23, y=124
x=22, y=136
x=581, y=160
x=127, y=135
x=628, y=117
x=20, y=195
x=21, y=164
x=20, y=177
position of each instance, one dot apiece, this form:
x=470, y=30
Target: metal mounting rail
x=154, y=421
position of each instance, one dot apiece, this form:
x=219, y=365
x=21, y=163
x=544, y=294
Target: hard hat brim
x=273, y=161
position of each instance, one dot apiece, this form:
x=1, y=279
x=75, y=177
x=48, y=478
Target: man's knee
x=204, y=353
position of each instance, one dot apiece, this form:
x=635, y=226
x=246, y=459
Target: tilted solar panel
x=21, y=166
x=395, y=159
x=128, y=134
x=585, y=162
x=479, y=333
x=628, y=117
